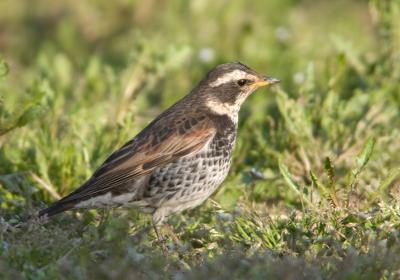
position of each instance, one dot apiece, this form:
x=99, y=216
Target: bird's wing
x=156, y=146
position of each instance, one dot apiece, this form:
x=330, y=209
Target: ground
x=314, y=188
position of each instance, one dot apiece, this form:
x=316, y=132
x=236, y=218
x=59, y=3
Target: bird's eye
x=242, y=82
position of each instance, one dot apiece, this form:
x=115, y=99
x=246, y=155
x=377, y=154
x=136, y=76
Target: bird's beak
x=265, y=81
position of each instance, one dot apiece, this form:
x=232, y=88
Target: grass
x=314, y=187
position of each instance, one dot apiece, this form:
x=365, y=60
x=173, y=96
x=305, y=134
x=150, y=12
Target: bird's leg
x=161, y=239
x=172, y=234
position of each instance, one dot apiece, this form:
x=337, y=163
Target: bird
x=181, y=157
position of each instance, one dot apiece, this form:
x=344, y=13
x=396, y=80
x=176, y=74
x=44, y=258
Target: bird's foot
x=163, y=245
x=161, y=240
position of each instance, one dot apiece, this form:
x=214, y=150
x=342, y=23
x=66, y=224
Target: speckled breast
x=193, y=178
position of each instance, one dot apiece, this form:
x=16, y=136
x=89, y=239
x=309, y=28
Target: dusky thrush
x=180, y=158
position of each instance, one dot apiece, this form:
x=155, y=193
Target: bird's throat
x=219, y=108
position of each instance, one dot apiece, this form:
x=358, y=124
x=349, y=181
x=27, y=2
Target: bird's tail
x=56, y=208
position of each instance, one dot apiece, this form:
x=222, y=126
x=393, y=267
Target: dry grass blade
x=48, y=187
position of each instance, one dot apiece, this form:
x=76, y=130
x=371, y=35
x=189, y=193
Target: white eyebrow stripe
x=234, y=75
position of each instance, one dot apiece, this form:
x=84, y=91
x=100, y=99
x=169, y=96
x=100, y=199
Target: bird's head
x=226, y=87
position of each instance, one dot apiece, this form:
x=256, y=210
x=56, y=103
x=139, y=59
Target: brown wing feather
x=156, y=146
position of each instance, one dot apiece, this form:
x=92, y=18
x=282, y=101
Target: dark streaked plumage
x=180, y=158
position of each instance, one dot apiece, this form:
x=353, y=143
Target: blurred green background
x=316, y=168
